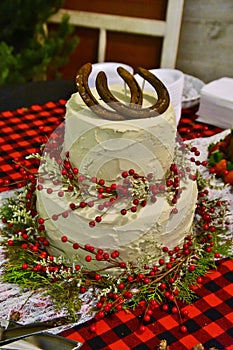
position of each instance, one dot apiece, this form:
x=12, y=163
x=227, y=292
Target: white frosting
x=137, y=235
x=104, y=149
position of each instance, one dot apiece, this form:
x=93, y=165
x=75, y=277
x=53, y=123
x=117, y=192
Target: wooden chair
x=169, y=29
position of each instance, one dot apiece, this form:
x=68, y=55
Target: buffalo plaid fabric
x=210, y=317
x=22, y=132
x=209, y=321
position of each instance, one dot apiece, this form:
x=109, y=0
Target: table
x=210, y=318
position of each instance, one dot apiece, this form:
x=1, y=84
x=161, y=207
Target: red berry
x=113, y=187
x=184, y=312
x=174, y=200
x=101, y=182
x=135, y=201
x=65, y=214
x=162, y=286
x=128, y=295
x=146, y=280
x=81, y=178
x=121, y=286
x=93, y=328
x=115, y=254
x=191, y=268
x=98, y=218
x=146, y=318
x=124, y=174
x=142, y=328
x=183, y=329
x=97, y=277
x=169, y=183
x=171, y=280
x=55, y=217
x=99, y=257
x=43, y=255
x=72, y=206
x=153, y=303
x=82, y=204
x=40, y=221
x=161, y=261
x=64, y=239
x=88, y=258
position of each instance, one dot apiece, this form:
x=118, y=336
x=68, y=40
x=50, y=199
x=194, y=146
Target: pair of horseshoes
x=121, y=111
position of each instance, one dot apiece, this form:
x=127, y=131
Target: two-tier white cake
x=103, y=149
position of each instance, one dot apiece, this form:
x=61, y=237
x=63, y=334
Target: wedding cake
x=120, y=184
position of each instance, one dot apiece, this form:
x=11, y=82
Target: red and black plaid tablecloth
x=210, y=319
x=22, y=132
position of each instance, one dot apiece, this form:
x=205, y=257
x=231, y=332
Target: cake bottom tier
x=137, y=236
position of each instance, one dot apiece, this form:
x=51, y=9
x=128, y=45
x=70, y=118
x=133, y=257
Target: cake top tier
x=116, y=109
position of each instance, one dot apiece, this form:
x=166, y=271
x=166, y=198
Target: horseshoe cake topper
x=121, y=111
x=89, y=99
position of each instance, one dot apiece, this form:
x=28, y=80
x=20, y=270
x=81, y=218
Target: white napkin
x=220, y=90
x=216, y=103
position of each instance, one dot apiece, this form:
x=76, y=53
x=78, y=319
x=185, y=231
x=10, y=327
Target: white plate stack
x=216, y=103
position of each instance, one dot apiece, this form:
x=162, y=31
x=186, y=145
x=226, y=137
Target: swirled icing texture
x=104, y=149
